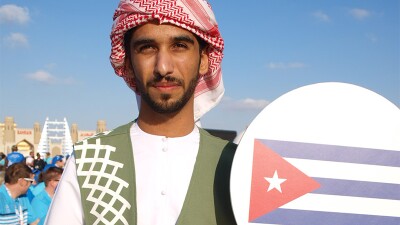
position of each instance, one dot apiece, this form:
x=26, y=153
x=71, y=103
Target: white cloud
x=14, y=14
x=16, y=40
x=43, y=76
x=244, y=104
x=360, y=14
x=321, y=16
x=282, y=65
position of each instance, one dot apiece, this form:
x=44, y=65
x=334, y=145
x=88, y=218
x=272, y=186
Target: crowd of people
x=27, y=186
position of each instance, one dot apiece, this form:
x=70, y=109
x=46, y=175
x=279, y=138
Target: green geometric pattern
x=100, y=178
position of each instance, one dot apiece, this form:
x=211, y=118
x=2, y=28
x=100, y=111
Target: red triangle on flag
x=268, y=165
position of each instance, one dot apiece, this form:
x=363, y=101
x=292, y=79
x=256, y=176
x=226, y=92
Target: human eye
x=183, y=42
x=145, y=48
x=180, y=46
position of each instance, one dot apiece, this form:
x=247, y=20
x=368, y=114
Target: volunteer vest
x=106, y=176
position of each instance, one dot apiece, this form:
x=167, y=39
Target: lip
x=165, y=86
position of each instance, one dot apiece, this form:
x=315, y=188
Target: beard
x=165, y=104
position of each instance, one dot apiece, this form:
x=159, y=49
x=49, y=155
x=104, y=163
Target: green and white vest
x=106, y=176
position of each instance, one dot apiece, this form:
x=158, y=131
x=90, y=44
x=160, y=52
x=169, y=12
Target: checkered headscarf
x=195, y=16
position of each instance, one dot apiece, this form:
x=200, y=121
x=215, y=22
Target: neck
x=50, y=191
x=12, y=190
x=176, y=124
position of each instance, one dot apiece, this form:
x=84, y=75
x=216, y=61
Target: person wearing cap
x=41, y=202
x=162, y=168
x=15, y=208
x=58, y=161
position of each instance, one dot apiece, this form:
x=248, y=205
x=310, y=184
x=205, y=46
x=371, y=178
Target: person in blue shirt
x=48, y=158
x=58, y=161
x=39, y=187
x=2, y=159
x=15, y=208
x=41, y=202
x=14, y=156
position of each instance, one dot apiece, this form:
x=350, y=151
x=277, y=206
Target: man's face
x=166, y=62
x=25, y=184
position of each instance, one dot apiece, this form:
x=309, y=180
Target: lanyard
x=19, y=212
x=18, y=209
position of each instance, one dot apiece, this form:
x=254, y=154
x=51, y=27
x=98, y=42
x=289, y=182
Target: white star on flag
x=275, y=182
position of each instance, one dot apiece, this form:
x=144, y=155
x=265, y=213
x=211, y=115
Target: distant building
x=27, y=139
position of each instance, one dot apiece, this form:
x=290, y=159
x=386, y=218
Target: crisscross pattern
x=105, y=187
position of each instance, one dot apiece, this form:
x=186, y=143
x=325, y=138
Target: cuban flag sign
x=326, y=153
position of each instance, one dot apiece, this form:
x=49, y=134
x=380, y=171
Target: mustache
x=167, y=78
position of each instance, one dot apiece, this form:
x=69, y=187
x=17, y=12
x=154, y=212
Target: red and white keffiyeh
x=193, y=15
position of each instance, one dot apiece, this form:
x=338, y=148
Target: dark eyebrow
x=142, y=42
x=184, y=38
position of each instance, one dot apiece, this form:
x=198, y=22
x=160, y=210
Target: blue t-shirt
x=12, y=211
x=38, y=188
x=15, y=157
x=40, y=205
x=49, y=160
x=29, y=194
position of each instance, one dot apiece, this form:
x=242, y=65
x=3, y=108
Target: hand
x=36, y=222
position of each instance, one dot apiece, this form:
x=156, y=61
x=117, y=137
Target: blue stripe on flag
x=358, y=188
x=334, y=153
x=303, y=217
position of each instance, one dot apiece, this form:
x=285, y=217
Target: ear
x=128, y=67
x=204, y=62
x=21, y=182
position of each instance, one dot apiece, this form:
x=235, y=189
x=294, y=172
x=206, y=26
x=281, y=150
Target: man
x=39, y=163
x=41, y=202
x=30, y=159
x=15, y=208
x=160, y=168
x=30, y=162
x=14, y=156
x=31, y=155
x=48, y=158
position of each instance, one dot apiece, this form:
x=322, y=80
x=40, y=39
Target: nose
x=164, y=63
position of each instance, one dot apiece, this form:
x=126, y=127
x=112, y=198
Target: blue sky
x=54, y=57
